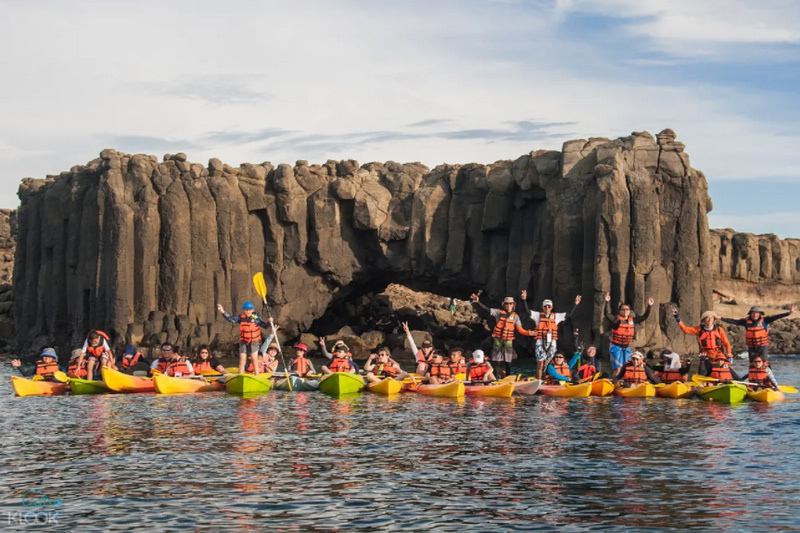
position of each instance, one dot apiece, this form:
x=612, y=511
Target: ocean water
x=307, y=462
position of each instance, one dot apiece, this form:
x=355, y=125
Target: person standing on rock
x=756, y=333
x=623, y=330
x=546, y=330
x=503, y=333
x=250, y=325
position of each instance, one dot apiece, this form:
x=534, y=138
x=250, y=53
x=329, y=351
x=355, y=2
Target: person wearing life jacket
x=340, y=362
x=585, y=364
x=301, y=364
x=672, y=368
x=508, y=322
x=438, y=371
x=423, y=355
x=546, y=330
x=478, y=369
x=756, y=330
x=760, y=375
x=161, y=362
x=97, y=352
x=457, y=363
x=623, y=330
x=179, y=366
x=268, y=361
x=635, y=372
x=46, y=366
x=250, y=324
x=132, y=360
x=77, y=365
x=714, y=343
x=380, y=366
x=558, y=369
x=205, y=362
x=336, y=344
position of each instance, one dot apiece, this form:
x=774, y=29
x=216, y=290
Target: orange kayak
x=497, y=390
x=117, y=381
x=27, y=387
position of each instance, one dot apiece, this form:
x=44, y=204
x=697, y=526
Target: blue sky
x=431, y=81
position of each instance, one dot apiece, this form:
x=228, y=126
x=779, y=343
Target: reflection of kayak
x=677, y=389
x=169, y=385
x=117, y=381
x=341, y=384
x=387, y=386
x=243, y=384
x=527, y=388
x=567, y=391
x=298, y=384
x=766, y=395
x=503, y=389
x=84, y=386
x=454, y=389
x=645, y=390
x=28, y=387
x=724, y=393
x=602, y=387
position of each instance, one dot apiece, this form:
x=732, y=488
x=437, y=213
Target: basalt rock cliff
x=144, y=249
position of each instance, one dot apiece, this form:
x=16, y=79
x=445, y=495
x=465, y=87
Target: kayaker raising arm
x=715, y=348
x=250, y=324
x=546, y=330
x=558, y=370
x=584, y=365
x=340, y=361
x=439, y=371
x=623, y=330
x=423, y=355
x=46, y=366
x=503, y=333
x=756, y=333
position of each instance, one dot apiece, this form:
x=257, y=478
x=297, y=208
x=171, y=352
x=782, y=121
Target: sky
x=430, y=81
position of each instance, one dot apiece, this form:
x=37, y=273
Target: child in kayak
x=77, y=365
x=438, y=371
x=301, y=364
x=635, y=372
x=97, y=352
x=268, y=360
x=328, y=355
x=760, y=375
x=586, y=365
x=478, y=369
x=250, y=324
x=46, y=366
x=380, y=366
x=132, y=360
x=340, y=361
x=205, y=362
x=457, y=363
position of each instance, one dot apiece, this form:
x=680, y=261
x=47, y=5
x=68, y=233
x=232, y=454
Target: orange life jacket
x=96, y=351
x=624, y=333
x=710, y=341
x=671, y=376
x=271, y=366
x=477, y=371
x=634, y=375
x=128, y=362
x=421, y=356
x=249, y=330
x=202, y=366
x=178, y=368
x=505, y=327
x=547, y=325
x=586, y=371
x=440, y=370
x=340, y=364
x=721, y=370
x=387, y=370
x=301, y=366
x=74, y=371
x=756, y=333
x=561, y=368
x=759, y=377
x=46, y=370
x=458, y=368
x=162, y=365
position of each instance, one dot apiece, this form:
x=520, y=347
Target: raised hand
x=405, y=327
x=16, y=362
x=473, y=298
x=650, y=302
x=793, y=309
x=577, y=299
x=322, y=341
x=524, y=294
x=608, y=296
x=220, y=309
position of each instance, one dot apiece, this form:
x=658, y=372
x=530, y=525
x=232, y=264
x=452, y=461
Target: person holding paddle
x=760, y=375
x=301, y=364
x=250, y=324
x=46, y=366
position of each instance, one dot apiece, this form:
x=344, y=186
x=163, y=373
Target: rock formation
x=145, y=249
x=8, y=245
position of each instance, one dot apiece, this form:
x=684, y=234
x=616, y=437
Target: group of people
x=434, y=365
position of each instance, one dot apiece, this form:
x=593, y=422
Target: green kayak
x=298, y=384
x=84, y=386
x=247, y=384
x=341, y=384
x=729, y=393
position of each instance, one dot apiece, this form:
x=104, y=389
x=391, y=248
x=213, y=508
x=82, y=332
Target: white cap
x=477, y=356
x=547, y=302
x=637, y=354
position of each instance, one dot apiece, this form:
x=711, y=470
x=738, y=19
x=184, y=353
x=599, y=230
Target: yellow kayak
x=387, y=386
x=645, y=390
x=503, y=389
x=27, y=387
x=677, y=389
x=567, y=391
x=766, y=395
x=117, y=381
x=169, y=385
x=454, y=389
x=602, y=387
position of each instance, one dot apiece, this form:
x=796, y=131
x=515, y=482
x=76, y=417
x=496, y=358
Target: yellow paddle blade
x=260, y=285
x=37, y=377
x=60, y=376
x=703, y=379
x=788, y=388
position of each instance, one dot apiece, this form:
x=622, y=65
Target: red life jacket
x=585, y=371
x=386, y=371
x=340, y=364
x=624, y=333
x=249, y=330
x=178, y=368
x=440, y=370
x=756, y=333
x=74, y=371
x=477, y=371
x=721, y=370
x=671, y=376
x=561, y=368
x=96, y=351
x=634, y=375
x=46, y=370
x=547, y=325
x=128, y=362
x=301, y=366
x=759, y=377
x=505, y=327
x=203, y=366
x=421, y=356
x=162, y=365
x=458, y=368
x=710, y=341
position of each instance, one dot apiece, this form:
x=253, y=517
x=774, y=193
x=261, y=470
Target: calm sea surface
x=306, y=462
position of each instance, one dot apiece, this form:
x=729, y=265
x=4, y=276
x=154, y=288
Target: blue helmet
x=248, y=305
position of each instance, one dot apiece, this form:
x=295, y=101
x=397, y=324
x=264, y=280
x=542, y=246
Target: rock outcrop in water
x=145, y=249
